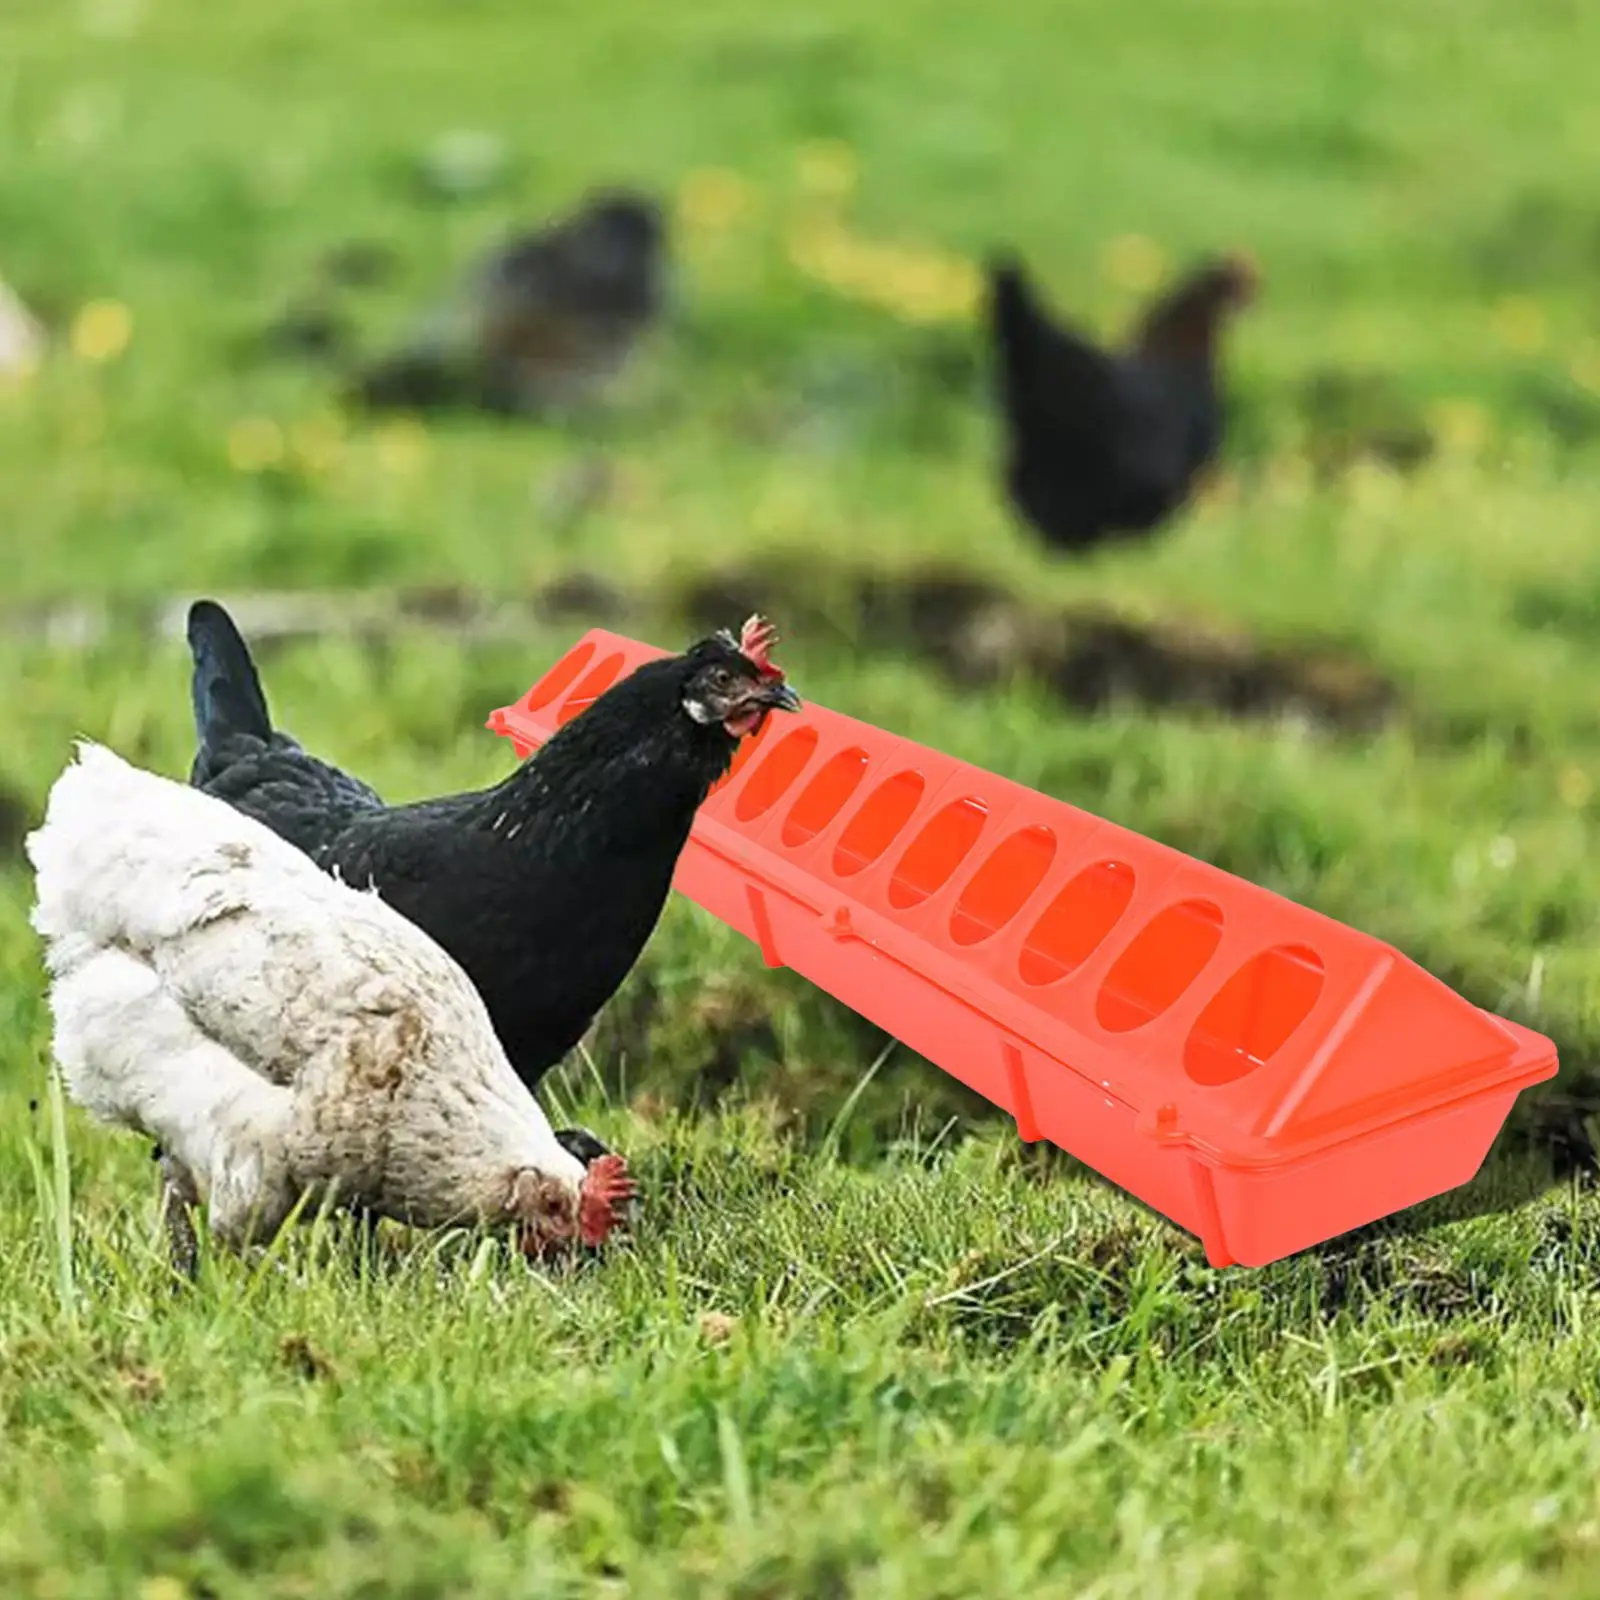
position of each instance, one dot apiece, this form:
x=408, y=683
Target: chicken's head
x=543, y=1211
x=618, y=228
x=734, y=682
x=551, y=1214
x=1234, y=279
x=1183, y=324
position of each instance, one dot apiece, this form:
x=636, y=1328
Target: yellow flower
x=1575, y=787
x=254, y=444
x=827, y=168
x=402, y=445
x=101, y=330
x=1520, y=324
x=163, y=1588
x=1133, y=262
x=960, y=290
x=932, y=288
x=918, y=285
x=712, y=199
x=820, y=248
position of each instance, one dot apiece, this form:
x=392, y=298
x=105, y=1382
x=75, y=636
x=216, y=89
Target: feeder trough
x=1262, y=1075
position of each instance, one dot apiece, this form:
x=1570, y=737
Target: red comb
x=605, y=1190
x=756, y=640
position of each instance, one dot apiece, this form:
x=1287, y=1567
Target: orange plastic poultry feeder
x=1262, y=1075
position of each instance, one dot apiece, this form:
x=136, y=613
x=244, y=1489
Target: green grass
x=937, y=1364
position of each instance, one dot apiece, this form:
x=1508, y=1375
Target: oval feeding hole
x=1164, y=959
x=1076, y=922
x=824, y=797
x=593, y=686
x=936, y=852
x=1001, y=886
x=1249, y=1019
x=559, y=678
x=872, y=829
x=779, y=768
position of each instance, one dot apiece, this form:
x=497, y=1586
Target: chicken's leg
x=178, y=1199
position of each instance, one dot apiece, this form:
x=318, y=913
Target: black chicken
x=1102, y=445
x=544, y=887
x=541, y=319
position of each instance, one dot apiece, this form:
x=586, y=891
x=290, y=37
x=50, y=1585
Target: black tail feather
x=1017, y=326
x=1049, y=372
x=1010, y=303
x=225, y=690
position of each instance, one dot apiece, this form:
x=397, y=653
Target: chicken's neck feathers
x=627, y=763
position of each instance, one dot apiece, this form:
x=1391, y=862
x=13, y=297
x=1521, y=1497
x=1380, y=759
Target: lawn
x=865, y=1342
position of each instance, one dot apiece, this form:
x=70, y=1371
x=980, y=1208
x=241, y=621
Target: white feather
x=276, y=1030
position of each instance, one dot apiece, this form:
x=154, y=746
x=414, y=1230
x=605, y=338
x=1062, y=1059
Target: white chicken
x=279, y=1033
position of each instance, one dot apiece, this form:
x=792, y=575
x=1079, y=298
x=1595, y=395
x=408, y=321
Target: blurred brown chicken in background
x=540, y=322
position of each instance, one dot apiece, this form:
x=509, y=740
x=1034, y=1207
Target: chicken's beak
x=779, y=696
x=748, y=711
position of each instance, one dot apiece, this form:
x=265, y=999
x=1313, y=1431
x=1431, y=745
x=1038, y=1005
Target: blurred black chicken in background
x=539, y=322
x=1104, y=445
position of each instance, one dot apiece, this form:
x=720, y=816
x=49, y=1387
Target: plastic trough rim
x=1532, y=1059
